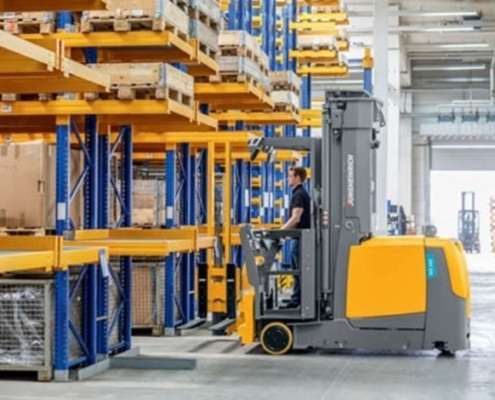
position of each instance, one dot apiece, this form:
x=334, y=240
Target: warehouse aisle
x=229, y=371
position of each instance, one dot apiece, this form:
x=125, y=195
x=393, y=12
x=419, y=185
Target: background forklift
x=469, y=223
x=357, y=290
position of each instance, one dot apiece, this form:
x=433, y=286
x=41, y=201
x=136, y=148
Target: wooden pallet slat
x=133, y=15
x=158, y=81
x=207, y=38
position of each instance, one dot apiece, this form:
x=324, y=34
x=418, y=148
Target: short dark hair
x=300, y=172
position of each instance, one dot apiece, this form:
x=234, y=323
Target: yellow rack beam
x=318, y=2
x=340, y=18
x=97, y=107
x=50, y=5
x=51, y=71
x=260, y=118
x=224, y=93
x=311, y=118
x=309, y=26
x=310, y=56
x=321, y=32
x=339, y=71
x=45, y=254
x=138, y=46
x=143, y=242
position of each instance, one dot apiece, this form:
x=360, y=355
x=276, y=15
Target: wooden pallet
x=206, y=37
x=258, y=58
x=240, y=43
x=238, y=78
x=111, y=24
x=288, y=87
x=200, y=15
x=316, y=43
x=6, y=231
x=207, y=11
x=285, y=81
x=19, y=27
x=285, y=99
x=131, y=81
x=134, y=92
x=11, y=97
x=127, y=15
x=288, y=108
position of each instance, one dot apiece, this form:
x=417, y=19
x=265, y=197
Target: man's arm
x=294, y=219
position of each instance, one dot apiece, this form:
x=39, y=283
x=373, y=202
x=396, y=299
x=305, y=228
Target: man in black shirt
x=300, y=218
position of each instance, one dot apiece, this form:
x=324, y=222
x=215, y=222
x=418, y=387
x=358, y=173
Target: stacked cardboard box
x=148, y=201
x=28, y=176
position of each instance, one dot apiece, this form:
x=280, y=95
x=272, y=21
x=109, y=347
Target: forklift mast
x=352, y=121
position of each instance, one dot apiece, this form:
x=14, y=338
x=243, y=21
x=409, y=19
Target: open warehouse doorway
x=469, y=168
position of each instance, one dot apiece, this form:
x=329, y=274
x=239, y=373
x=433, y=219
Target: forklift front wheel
x=276, y=338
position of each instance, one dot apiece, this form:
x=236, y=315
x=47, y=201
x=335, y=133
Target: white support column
x=405, y=164
x=380, y=52
x=421, y=170
x=393, y=119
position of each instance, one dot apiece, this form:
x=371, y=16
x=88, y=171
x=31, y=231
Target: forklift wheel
x=276, y=339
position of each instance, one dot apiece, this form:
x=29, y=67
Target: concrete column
x=405, y=164
x=380, y=51
x=393, y=121
x=421, y=171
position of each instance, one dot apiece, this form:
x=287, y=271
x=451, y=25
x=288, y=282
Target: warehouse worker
x=300, y=218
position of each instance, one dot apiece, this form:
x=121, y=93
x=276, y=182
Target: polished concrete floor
x=227, y=371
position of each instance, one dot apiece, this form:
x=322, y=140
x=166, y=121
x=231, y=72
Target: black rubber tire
x=276, y=339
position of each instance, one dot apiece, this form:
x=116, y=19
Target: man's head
x=297, y=176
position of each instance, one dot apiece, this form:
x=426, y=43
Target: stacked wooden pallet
x=307, y=42
x=286, y=92
x=129, y=15
x=242, y=60
x=205, y=25
x=27, y=22
x=158, y=81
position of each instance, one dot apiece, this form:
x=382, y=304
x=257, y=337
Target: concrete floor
x=227, y=371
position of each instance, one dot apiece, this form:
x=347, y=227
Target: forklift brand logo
x=350, y=181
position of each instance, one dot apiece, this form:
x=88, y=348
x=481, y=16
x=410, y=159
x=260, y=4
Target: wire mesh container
x=26, y=326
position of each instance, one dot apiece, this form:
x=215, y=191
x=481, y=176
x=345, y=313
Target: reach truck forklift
x=469, y=223
x=358, y=291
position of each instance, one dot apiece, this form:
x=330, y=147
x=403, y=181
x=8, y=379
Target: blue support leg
x=91, y=222
x=61, y=369
x=103, y=182
x=126, y=262
x=169, y=297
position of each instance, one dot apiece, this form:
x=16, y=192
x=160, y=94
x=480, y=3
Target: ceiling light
x=475, y=67
x=463, y=45
x=450, y=29
x=450, y=14
x=440, y=29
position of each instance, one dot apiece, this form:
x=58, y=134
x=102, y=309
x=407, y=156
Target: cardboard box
x=28, y=185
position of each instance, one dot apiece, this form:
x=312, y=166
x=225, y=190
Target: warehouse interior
x=151, y=244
